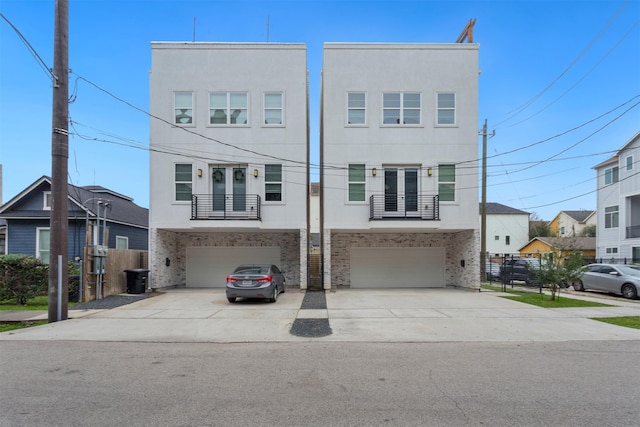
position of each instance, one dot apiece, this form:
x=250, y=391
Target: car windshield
x=630, y=270
x=252, y=269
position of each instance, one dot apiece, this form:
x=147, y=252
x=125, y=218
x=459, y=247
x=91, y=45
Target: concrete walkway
x=386, y=315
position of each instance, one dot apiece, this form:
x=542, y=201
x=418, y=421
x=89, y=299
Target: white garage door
x=397, y=267
x=209, y=267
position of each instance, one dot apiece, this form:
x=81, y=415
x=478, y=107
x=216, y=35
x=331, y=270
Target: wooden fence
x=114, y=279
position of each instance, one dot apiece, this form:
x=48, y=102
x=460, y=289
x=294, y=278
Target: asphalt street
x=83, y=383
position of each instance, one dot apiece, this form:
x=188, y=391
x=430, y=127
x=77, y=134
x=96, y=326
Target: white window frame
x=228, y=108
x=46, y=200
x=442, y=182
x=121, y=239
x=611, y=251
x=629, y=162
x=274, y=183
x=362, y=108
x=177, y=182
x=402, y=109
x=39, y=252
x=265, y=109
x=454, y=109
x=613, y=213
x=362, y=183
x=183, y=109
x=611, y=175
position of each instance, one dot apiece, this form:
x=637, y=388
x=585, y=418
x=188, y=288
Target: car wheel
x=629, y=291
x=231, y=299
x=274, y=298
x=578, y=286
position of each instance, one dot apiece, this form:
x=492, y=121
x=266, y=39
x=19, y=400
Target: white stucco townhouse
x=618, y=184
x=507, y=229
x=229, y=161
x=399, y=173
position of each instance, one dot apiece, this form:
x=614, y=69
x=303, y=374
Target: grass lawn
x=628, y=321
x=11, y=326
x=35, y=303
x=544, y=300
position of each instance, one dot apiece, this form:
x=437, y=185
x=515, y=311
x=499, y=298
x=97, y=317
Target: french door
x=401, y=191
x=229, y=188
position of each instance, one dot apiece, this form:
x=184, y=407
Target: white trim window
x=356, y=108
x=611, y=175
x=46, y=200
x=611, y=251
x=401, y=108
x=629, y=162
x=273, y=109
x=357, y=182
x=447, y=183
x=183, y=182
x=446, y=115
x=228, y=108
x=122, y=242
x=43, y=242
x=273, y=183
x=183, y=108
x=611, y=217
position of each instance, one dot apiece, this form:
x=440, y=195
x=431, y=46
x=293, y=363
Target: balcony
x=404, y=207
x=633, y=232
x=229, y=207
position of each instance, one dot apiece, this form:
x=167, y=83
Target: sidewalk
x=373, y=315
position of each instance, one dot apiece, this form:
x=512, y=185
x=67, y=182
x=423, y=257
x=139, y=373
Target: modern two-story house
x=507, y=229
x=618, y=178
x=399, y=149
x=229, y=161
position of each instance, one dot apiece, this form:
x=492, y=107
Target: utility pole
x=58, y=275
x=483, y=207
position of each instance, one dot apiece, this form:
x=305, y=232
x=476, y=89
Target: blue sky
x=559, y=77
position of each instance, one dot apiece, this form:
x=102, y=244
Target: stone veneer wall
x=458, y=246
x=172, y=245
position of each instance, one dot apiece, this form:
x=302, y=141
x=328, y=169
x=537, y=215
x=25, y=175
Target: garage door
x=397, y=267
x=209, y=267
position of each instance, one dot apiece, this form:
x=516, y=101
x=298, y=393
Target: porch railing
x=633, y=232
x=404, y=207
x=229, y=207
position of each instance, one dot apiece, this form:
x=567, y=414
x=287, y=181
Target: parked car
x=520, y=269
x=255, y=281
x=619, y=279
x=492, y=271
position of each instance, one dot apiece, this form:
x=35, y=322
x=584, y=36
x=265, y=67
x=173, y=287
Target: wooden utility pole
x=483, y=206
x=58, y=256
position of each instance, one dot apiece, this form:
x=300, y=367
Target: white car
x=619, y=279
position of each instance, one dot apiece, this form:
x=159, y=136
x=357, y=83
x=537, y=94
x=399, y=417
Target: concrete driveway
x=382, y=315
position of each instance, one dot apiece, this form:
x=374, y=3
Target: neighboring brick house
x=507, y=229
x=618, y=218
x=229, y=161
x=572, y=223
x=399, y=149
x=27, y=218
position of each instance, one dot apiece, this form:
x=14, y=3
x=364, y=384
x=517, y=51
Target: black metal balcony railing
x=207, y=206
x=404, y=206
x=633, y=232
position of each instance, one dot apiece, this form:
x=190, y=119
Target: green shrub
x=22, y=277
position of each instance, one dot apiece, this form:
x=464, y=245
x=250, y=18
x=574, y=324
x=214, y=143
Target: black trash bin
x=136, y=280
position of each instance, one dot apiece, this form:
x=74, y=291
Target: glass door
x=229, y=188
x=400, y=191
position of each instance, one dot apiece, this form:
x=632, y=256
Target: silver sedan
x=255, y=281
x=619, y=279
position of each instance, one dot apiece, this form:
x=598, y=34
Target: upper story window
x=183, y=108
x=273, y=108
x=629, y=162
x=507, y=240
x=611, y=215
x=356, y=108
x=46, y=202
x=273, y=183
x=401, y=108
x=183, y=182
x=446, y=109
x=447, y=183
x=122, y=242
x=228, y=108
x=356, y=182
x=611, y=175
